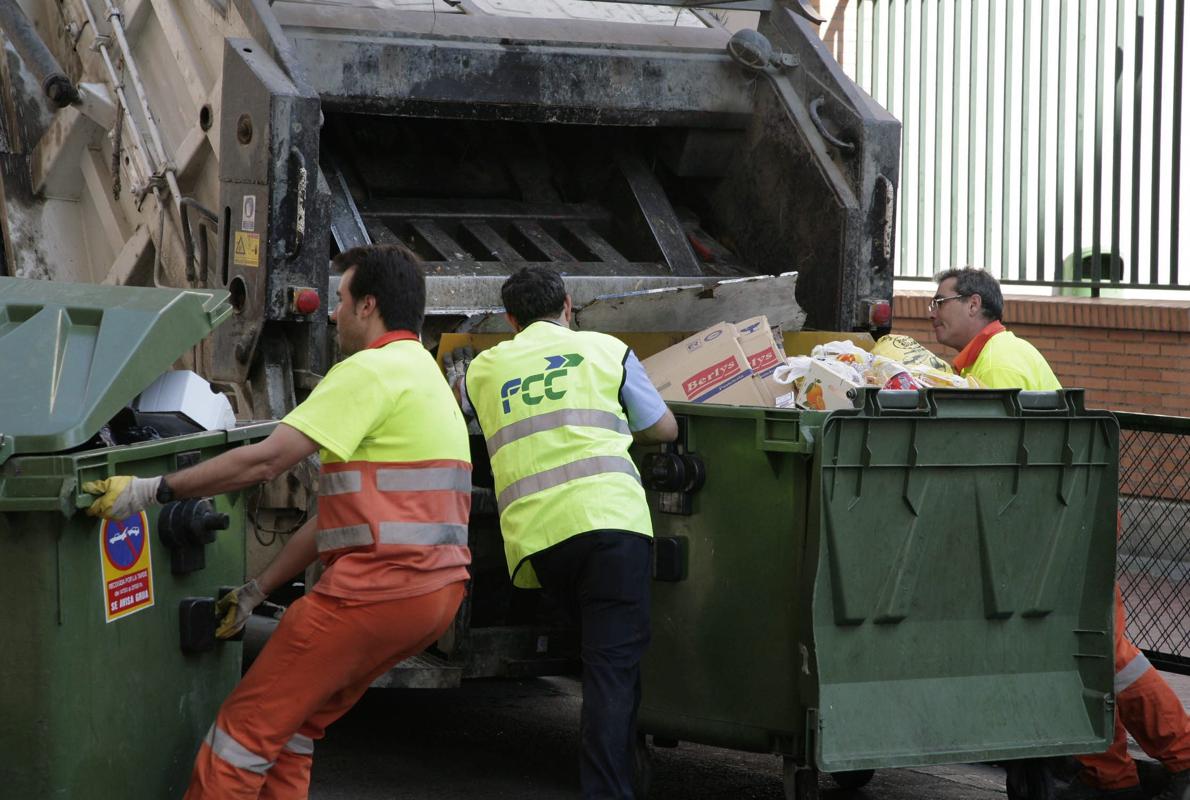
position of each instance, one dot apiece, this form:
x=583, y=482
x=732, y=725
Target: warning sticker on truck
x=248, y=213
x=127, y=566
x=247, y=249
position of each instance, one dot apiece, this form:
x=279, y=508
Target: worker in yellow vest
x=966, y=311
x=394, y=498
x=559, y=409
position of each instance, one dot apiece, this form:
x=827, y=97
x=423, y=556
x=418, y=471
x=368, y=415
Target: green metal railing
x=1153, y=561
x=1041, y=140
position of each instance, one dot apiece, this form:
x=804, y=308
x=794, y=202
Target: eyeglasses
x=937, y=301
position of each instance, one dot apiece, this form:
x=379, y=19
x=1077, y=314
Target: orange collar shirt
x=998, y=359
x=395, y=482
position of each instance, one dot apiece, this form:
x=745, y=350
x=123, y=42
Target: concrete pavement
x=519, y=739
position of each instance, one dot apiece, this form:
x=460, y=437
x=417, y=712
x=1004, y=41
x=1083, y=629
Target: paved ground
x=505, y=739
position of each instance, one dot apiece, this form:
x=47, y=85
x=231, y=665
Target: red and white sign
x=127, y=563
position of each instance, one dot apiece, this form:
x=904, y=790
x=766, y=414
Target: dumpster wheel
x=856, y=779
x=801, y=782
x=1030, y=779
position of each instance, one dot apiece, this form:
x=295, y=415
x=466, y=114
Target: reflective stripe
x=583, y=468
x=344, y=482
x=350, y=536
x=302, y=745
x=1131, y=672
x=582, y=417
x=234, y=753
x=424, y=534
x=424, y=479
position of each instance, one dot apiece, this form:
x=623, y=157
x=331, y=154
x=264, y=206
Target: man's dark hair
x=390, y=273
x=972, y=280
x=533, y=293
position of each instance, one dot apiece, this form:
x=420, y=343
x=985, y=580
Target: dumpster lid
x=962, y=603
x=74, y=354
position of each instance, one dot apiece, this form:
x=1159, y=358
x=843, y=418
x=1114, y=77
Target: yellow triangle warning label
x=246, y=252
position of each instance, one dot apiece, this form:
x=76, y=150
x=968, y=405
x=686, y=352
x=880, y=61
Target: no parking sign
x=127, y=566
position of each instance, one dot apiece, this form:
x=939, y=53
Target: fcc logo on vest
x=542, y=385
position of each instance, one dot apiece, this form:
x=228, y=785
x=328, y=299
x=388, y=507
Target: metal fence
x=1154, y=554
x=1041, y=140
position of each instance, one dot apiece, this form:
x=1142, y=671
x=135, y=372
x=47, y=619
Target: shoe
x=1154, y=777
x=1178, y=788
x=1078, y=790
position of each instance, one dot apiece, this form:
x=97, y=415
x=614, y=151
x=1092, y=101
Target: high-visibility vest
x=548, y=402
x=378, y=505
x=1008, y=362
x=404, y=498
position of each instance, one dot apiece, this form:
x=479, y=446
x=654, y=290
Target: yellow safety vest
x=548, y=402
x=392, y=511
x=1007, y=362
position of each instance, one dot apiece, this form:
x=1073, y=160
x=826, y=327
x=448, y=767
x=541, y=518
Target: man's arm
x=661, y=431
x=649, y=418
x=235, y=607
x=244, y=466
x=123, y=495
x=299, y=552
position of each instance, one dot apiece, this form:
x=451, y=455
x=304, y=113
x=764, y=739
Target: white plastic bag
x=844, y=351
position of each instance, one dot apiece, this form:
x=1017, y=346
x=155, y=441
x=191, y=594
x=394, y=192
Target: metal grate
x=1042, y=141
x=1153, y=565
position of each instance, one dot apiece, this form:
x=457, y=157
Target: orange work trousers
x=323, y=656
x=1145, y=707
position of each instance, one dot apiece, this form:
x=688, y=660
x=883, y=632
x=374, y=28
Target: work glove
x=121, y=496
x=456, y=363
x=234, y=608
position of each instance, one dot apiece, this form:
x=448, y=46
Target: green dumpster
x=99, y=700
x=926, y=578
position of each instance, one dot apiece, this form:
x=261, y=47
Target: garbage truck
x=239, y=144
x=679, y=171
x=677, y=174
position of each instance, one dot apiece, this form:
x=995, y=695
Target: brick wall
x=1130, y=355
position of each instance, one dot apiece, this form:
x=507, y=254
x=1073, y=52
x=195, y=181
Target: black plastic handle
x=816, y=118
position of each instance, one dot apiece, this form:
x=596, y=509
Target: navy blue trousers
x=601, y=578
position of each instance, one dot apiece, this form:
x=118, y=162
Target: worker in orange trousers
x=391, y=530
x=965, y=313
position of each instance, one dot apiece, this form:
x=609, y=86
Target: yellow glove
x=234, y=608
x=121, y=496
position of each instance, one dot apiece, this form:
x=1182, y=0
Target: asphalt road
x=519, y=739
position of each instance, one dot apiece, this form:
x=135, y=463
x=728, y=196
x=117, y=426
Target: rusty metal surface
x=693, y=308
x=445, y=77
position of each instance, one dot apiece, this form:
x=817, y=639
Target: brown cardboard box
x=708, y=367
x=764, y=355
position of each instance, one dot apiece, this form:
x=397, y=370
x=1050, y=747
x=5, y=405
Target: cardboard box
x=708, y=367
x=764, y=354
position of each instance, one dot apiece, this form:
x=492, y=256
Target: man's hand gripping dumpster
x=394, y=501
x=235, y=607
x=122, y=495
